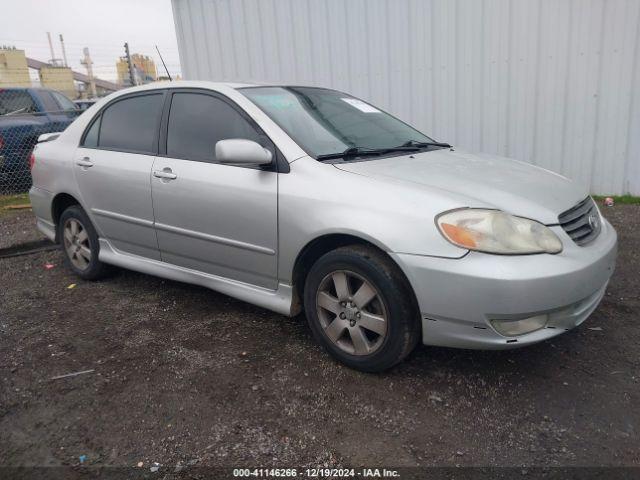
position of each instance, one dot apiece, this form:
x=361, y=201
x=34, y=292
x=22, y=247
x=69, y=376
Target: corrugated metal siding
x=552, y=82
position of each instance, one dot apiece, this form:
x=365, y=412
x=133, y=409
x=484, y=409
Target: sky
x=101, y=25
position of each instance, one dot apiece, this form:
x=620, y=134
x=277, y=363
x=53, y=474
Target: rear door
x=113, y=170
x=214, y=218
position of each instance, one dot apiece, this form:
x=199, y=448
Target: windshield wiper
x=415, y=143
x=362, y=151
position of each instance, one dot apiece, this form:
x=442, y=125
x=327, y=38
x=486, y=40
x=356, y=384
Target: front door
x=214, y=218
x=113, y=170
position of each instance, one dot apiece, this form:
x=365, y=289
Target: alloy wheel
x=76, y=244
x=351, y=312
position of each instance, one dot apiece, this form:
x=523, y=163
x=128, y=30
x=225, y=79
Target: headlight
x=493, y=231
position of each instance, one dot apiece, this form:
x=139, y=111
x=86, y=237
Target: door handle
x=84, y=162
x=166, y=174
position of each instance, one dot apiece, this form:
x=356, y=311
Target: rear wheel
x=360, y=308
x=79, y=242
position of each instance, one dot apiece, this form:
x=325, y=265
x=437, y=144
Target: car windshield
x=326, y=122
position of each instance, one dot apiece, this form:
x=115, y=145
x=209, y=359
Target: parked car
x=25, y=114
x=300, y=198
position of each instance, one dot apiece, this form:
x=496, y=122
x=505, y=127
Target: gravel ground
x=17, y=227
x=186, y=376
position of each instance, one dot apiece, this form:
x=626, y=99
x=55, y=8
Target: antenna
x=164, y=64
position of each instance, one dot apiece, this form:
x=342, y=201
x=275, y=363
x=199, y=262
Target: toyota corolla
x=309, y=199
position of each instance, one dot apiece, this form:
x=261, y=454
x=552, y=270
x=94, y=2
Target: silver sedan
x=309, y=199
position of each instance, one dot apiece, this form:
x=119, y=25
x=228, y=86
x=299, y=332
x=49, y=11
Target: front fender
x=317, y=199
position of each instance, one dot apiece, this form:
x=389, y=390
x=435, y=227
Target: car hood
x=480, y=180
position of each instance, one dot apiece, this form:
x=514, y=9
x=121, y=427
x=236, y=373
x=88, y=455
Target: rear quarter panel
x=53, y=173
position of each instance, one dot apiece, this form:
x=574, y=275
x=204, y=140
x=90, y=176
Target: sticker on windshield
x=360, y=105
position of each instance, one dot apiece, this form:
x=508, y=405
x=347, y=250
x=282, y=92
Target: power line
x=36, y=42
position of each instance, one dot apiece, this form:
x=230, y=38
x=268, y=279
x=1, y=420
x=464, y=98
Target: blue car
x=26, y=113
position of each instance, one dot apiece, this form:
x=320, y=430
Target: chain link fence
x=25, y=114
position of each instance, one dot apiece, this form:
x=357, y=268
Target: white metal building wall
x=552, y=82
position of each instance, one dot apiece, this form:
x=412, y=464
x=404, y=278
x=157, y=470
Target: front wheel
x=360, y=308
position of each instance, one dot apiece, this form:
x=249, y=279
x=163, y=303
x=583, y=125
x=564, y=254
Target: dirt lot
x=186, y=376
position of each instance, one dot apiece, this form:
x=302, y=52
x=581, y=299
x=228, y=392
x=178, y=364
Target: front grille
x=582, y=222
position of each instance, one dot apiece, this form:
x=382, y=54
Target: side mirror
x=236, y=151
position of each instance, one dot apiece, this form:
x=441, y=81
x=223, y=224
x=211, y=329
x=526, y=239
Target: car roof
x=190, y=84
x=205, y=84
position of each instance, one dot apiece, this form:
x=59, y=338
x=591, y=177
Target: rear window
x=15, y=102
x=131, y=125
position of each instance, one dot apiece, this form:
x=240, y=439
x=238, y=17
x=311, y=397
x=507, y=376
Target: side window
x=13, y=102
x=131, y=125
x=197, y=121
x=91, y=137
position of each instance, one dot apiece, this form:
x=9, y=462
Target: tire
x=86, y=266
x=378, y=326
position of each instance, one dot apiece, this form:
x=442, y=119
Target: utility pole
x=132, y=79
x=88, y=63
x=64, y=52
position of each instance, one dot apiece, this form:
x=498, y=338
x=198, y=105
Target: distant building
x=60, y=79
x=144, y=70
x=14, y=71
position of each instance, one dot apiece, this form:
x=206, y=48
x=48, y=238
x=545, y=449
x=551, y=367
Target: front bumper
x=458, y=297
